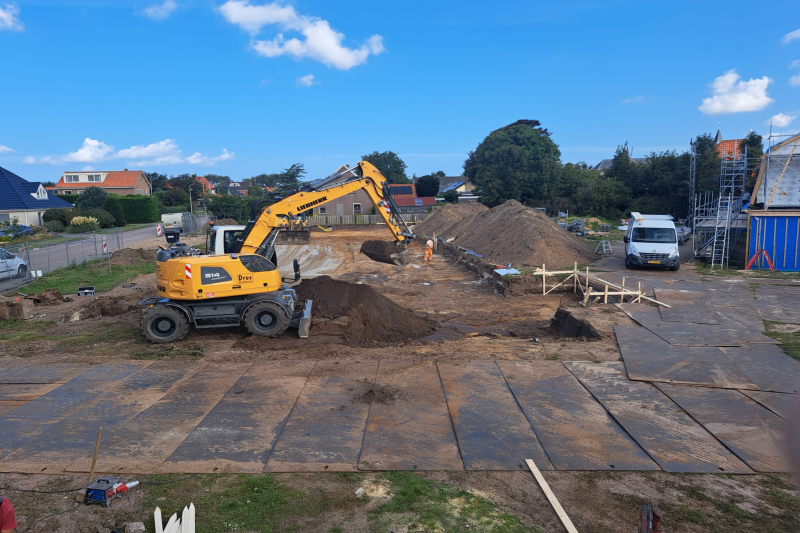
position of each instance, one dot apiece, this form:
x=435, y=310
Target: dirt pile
x=509, y=233
x=371, y=318
x=48, y=297
x=567, y=325
x=100, y=306
x=131, y=256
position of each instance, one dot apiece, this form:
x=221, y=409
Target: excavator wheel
x=266, y=319
x=162, y=324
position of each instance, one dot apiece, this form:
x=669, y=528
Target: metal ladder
x=719, y=254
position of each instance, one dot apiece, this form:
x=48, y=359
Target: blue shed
x=777, y=233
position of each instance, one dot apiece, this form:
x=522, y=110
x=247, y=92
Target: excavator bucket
x=302, y=236
x=383, y=252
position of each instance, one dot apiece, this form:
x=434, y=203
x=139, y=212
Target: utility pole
x=692, y=180
x=191, y=211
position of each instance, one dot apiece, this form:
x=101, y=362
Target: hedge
x=139, y=209
x=68, y=197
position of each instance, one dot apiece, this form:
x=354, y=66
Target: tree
x=157, y=181
x=707, y=164
x=283, y=183
x=114, y=208
x=390, y=165
x=48, y=184
x=451, y=197
x=91, y=198
x=175, y=197
x=428, y=185
x=754, y=144
x=518, y=161
x=217, y=180
x=229, y=206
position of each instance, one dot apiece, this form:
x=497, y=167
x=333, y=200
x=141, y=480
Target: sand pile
x=131, y=256
x=509, y=233
x=364, y=316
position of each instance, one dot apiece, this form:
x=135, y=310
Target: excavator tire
x=162, y=324
x=266, y=319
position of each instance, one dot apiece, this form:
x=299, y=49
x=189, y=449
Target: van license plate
x=654, y=262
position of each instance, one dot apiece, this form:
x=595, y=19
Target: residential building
x=354, y=203
x=123, y=182
x=447, y=181
x=461, y=187
x=403, y=190
x=729, y=147
x=238, y=187
x=605, y=164
x=208, y=187
x=25, y=200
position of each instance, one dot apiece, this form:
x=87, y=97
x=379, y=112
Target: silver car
x=11, y=266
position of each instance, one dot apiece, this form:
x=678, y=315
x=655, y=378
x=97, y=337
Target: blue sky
x=241, y=88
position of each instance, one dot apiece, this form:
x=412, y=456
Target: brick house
x=123, y=182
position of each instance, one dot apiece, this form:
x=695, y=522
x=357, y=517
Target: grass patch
x=68, y=279
x=253, y=503
x=25, y=330
x=790, y=342
x=432, y=506
x=705, y=269
x=553, y=357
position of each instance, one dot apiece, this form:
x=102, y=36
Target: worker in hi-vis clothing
x=428, y=250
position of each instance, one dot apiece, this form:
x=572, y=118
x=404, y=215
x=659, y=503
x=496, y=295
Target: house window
x=94, y=177
x=356, y=209
x=66, y=192
x=71, y=178
x=138, y=191
x=323, y=210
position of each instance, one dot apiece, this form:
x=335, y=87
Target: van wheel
x=628, y=263
x=22, y=271
x=162, y=324
x=676, y=267
x=266, y=319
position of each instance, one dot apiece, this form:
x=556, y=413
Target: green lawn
x=790, y=342
x=68, y=279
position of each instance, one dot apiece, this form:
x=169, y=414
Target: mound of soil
x=374, y=320
x=100, y=306
x=48, y=297
x=509, y=233
x=132, y=256
x=567, y=325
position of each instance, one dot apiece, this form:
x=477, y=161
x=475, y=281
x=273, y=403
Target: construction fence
x=22, y=263
x=350, y=220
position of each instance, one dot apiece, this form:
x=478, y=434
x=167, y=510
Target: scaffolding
x=717, y=219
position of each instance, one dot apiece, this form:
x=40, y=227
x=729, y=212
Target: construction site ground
x=462, y=406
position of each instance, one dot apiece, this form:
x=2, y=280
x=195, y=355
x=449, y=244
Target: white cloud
x=87, y=168
x=5, y=149
x=307, y=81
x=732, y=95
x=795, y=80
x=780, y=120
x=639, y=98
x=167, y=147
x=92, y=151
x=30, y=160
x=8, y=18
x=322, y=43
x=265, y=82
x=781, y=135
x=161, y=11
x=791, y=36
x=199, y=159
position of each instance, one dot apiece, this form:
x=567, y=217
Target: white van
x=651, y=241
x=173, y=220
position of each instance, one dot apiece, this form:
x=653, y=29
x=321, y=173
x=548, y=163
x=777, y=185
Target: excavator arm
x=264, y=224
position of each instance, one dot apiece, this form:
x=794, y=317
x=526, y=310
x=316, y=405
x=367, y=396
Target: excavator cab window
x=228, y=239
x=256, y=263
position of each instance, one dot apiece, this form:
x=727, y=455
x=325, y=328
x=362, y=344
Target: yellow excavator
x=243, y=285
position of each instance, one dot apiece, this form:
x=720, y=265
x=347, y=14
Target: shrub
x=56, y=214
x=91, y=198
x=113, y=206
x=39, y=230
x=139, y=209
x=71, y=198
x=175, y=209
x=55, y=225
x=83, y=225
x=103, y=217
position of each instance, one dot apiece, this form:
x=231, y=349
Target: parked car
x=651, y=241
x=11, y=266
x=15, y=231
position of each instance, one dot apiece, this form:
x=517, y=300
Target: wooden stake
x=605, y=295
x=575, y=281
x=551, y=497
x=544, y=278
x=82, y=495
x=639, y=299
x=587, y=278
x=622, y=297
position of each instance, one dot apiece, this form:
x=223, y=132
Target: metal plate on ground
x=32, y=419
x=648, y=357
x=735, y=294
x=145, y=442
x=326, y=427
x=68, y=440
x=750, y=430
x=678, y=333
x=51, y=373
x=779, y=303
x=493, y=433
x=240, y=431
x=409, y=426
x=687, y=306
x=577, y=432
x=25, y=391
x=8, y=406
x=746, y=321
x=780, y=403
x=671, y=437
x=768, y=367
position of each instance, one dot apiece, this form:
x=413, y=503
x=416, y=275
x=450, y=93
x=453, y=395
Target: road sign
x=105, y=245
x=158, y=229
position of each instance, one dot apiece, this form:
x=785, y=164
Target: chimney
x=126, y=170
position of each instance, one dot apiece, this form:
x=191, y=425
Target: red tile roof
x=408, y=201
x=207, y=186
x=729, y=147
x=114, y=178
